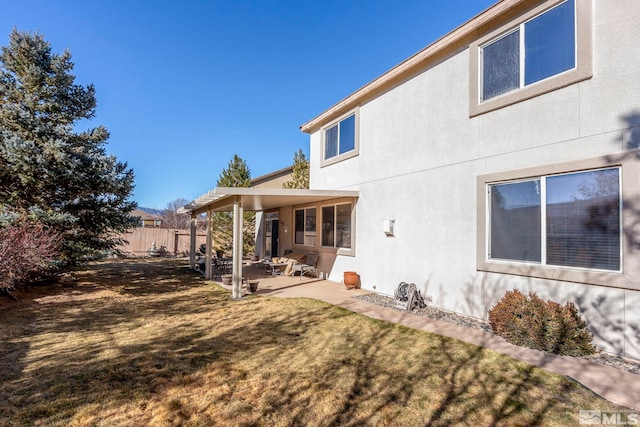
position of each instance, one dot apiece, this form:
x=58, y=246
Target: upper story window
x=537, y=49
x=340, y=139
x=546, y=49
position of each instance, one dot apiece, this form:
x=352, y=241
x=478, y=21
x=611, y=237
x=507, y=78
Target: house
x=147, y=219
x=504, y=155
x=266, y=239
x=275, y=179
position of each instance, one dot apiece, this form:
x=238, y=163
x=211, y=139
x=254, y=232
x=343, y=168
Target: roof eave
x=412, y=64
x=221, y=198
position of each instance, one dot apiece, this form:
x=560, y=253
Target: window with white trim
x=336, y=226
x=537, y=49
x=566, y=220
x=305, y=227
x=340, y=138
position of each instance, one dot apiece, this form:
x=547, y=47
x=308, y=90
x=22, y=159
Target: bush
x=27, y=250
x=531, y=322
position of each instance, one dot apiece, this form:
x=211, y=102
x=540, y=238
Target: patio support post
x=236, y=292
x=192, y=243
x=207, y=257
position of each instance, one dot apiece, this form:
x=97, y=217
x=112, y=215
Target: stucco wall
x=420, y=155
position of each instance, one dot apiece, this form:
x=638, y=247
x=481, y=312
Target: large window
x=567, y=220
x=340, y=138
x=537, y=49
x=336, y=226
x=544, y=49
x=515, y=221
x=305, y=225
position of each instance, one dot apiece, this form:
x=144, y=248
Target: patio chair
x=309, y=267
x=290, y=270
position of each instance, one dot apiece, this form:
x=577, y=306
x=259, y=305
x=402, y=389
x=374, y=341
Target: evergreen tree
x=49, y=170
x=300, y=175
x=237, y=174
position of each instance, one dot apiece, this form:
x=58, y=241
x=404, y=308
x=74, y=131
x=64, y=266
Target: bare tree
x=172, y=219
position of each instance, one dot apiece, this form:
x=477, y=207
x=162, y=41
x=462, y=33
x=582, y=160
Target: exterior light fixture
x=388, y=226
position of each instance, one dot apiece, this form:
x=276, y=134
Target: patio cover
x=239, y=199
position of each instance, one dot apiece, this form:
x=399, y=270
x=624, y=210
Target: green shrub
x=531, y=322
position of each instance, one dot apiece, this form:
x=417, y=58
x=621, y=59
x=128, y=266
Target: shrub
x=27, y=249
x=531, y=322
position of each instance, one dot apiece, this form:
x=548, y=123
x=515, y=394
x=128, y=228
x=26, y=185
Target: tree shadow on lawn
x=167, y=347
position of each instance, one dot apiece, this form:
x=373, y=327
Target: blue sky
x=182, y=86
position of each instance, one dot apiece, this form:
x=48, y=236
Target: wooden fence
x=172, y=242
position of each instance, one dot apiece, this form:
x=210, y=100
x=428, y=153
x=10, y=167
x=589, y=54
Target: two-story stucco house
x=504, y=155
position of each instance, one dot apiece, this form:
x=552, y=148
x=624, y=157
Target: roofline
x=268, y=176
x=418, y=61
x=224, y=196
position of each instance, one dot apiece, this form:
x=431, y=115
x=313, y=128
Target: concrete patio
x=613, y=384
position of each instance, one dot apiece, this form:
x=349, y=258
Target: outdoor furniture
x=221, y=266
x=289, y=271
x=291, y=264
x=273, y=267
x=294, y=259
x=309, y=267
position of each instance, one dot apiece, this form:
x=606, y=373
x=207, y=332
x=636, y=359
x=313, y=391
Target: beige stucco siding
x=420, y=154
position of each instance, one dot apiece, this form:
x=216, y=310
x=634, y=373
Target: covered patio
x=237, y=200
x=296, y=286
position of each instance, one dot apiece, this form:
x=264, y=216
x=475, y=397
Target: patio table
x=274, y=267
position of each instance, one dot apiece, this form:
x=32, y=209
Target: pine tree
x=48, y=169
x=237, y=174
x=300, y=175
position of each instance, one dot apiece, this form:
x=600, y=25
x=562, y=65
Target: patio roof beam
x=221, y=199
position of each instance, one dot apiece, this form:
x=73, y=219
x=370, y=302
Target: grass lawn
x=150, y=342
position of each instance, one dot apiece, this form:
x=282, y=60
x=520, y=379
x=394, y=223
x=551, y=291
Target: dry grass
x=149, y=342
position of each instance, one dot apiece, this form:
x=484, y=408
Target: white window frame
x=307, y=235
x=335, y=224
x=522, y=45
x=543, y=220
x=627, y=278
x=319, y=221
x=583, y=60
x=349, y=154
